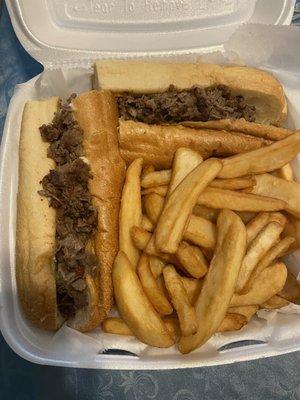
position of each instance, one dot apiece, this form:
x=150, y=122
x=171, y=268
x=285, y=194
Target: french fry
x=232, y=322
x=199, y=230
x=156, y=178
x=161, y=283
x=260, y=220
x=180, y=203
x=269, y=185
x=152, y=290
x=192, y=260
x=233, y=184
x=268, y=283
x=185, y=160
x=291, y=289
x=151, y=250
x=147, y=224
x=292, y=228
x=263, y=160
x=116, y=326
x=278, y=250
x=187, y=257
x=207, y=213
x=147, y=170
x=266, y=238
x=246, y=311
x=154, y=205
x=160, y=190
x=140, y=237
x=275, y=302
x=256, y=225
x=156, y=265
x=173, y=326
x=238, y=201
x=286, y=172
x=218, y=287
x=185, y=311
x=193, y=287
x=131, y=210
x=212, y=213
x=134, y=306
x=278, y=217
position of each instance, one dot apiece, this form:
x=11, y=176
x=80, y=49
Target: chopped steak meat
x=64, y=136
x=66, y=188
x=195, y=104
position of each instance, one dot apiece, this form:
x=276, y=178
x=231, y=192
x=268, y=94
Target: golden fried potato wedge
x=199, y=231
x=152, y=290
x=185, y=311
x=278, y=250
x=291, y=289
x=192, y=260
x=156, y=178
x=154, y=204
x=256, y=225
x=156, y=265
x=193, y=287
x=268, y=283
x=185, y=160
x=134, y=306
x=180, y=203
x=286, y=172
x=238, y=201
x=131, y=210
x=275, y=302
x=233, y=184
x=247, y=311
x=257, y=249
x=232, y=322
x=281, y=189
x=161, y=190
x=116, y=326
x=262, y=160
x=219, y=283
x=147, y=224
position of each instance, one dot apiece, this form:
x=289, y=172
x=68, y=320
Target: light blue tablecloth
x=266, y=379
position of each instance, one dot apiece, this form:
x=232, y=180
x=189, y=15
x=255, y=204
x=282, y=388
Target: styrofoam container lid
x=57, y=32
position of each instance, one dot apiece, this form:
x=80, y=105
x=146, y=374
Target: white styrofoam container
x=71, y=33
x=58, y=32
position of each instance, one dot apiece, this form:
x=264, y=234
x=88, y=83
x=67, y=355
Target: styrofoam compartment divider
x=81, y=23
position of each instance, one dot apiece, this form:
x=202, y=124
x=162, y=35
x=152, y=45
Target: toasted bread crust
x=35, y=234
x=97, y=115
x=156, y=144
x=241, y=125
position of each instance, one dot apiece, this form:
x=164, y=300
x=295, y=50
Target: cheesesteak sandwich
x=70, y=181
x=215, y=110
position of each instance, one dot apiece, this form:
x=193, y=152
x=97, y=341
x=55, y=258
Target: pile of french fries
x=201, y=244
